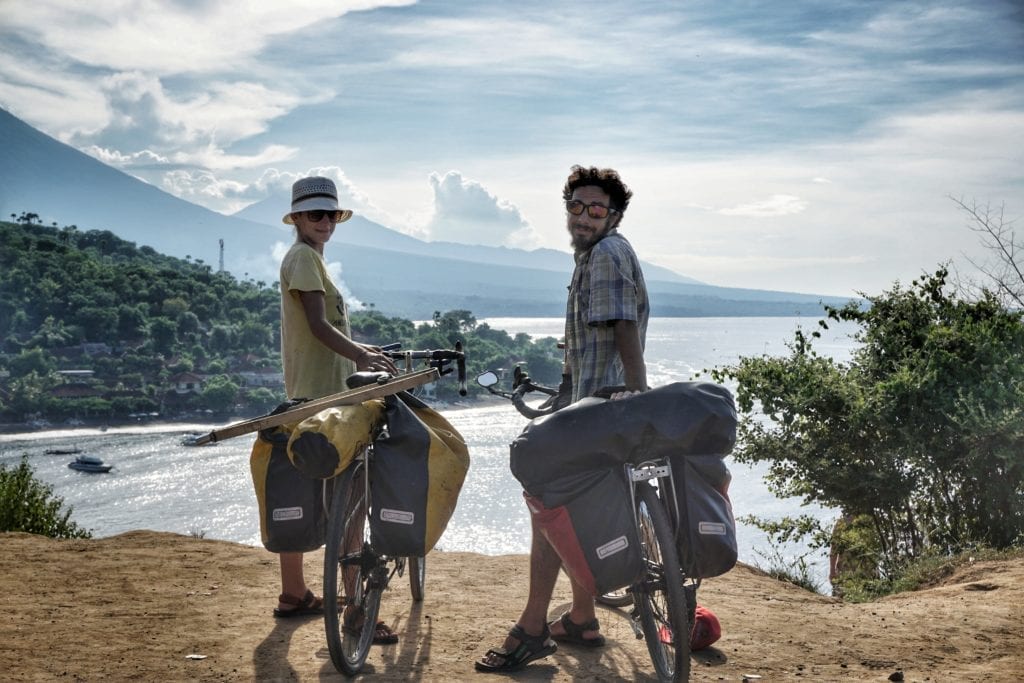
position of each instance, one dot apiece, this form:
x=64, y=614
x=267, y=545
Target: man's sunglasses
x=595, y=210
x=318, y=215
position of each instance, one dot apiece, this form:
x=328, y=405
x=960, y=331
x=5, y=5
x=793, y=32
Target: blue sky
x=804, y=146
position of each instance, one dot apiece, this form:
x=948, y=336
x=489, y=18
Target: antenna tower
x=222, y=255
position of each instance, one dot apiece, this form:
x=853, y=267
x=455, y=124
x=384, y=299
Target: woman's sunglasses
x=595, y=210
x=318, y=215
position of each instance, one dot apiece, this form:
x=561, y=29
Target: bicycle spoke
x=660, y=599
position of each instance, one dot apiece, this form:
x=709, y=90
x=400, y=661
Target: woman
x=316, y=346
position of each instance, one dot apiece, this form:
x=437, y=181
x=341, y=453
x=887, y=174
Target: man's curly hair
x=606, y=178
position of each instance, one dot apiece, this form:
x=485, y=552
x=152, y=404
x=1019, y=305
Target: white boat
x=89, y=463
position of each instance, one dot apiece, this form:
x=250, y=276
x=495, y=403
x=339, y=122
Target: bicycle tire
x=660, y=597
x=417, y=567
x=348, y=514
x=619, y=598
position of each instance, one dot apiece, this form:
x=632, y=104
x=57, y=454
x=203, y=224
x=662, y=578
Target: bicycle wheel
x=619, y=598
x=659, y=596
x=417, y=575
x=351, y=571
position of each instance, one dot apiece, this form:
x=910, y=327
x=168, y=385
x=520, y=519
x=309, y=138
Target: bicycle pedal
x=634, y=621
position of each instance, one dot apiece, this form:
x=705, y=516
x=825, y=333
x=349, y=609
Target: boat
x=62, y=451
x=89, y=463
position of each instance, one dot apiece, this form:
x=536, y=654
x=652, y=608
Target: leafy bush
x=921, y=432
x=27, y=504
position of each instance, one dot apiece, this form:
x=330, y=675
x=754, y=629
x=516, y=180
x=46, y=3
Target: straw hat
x=313, y=193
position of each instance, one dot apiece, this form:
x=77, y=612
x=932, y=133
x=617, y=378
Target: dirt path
x=135, y=606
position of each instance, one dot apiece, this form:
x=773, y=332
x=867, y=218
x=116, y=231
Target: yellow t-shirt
x=311, y=370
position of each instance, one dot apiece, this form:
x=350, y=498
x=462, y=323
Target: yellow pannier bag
x=323, y=445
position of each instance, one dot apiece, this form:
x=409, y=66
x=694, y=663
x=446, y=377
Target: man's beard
x=583, y=242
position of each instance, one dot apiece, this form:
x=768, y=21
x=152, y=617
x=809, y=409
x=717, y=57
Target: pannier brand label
x=286, y=514
x=711, y=529
x=397, y=516
x=611, y=547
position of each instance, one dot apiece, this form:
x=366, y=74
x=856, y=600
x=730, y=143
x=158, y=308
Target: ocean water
x=157, y=483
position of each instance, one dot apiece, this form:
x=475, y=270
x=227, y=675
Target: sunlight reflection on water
x=159, y=484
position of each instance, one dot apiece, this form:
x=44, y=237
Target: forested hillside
x=93, y=327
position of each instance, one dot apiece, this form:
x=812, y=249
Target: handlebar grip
x=460, y=363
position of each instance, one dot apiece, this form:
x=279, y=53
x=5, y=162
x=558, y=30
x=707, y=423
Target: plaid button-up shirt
x=607, y=285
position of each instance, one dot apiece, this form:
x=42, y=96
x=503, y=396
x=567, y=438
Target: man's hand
x=623, y=394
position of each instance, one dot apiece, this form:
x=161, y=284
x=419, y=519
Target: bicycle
x=355, y=574
x=663, y=598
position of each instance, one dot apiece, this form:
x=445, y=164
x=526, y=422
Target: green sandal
x=574, y=632
x=530, y=648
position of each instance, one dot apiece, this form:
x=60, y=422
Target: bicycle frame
x=361, y=573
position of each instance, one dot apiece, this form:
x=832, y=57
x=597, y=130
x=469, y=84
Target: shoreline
x=22, y=431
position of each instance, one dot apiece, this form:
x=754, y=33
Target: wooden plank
x=304, y=410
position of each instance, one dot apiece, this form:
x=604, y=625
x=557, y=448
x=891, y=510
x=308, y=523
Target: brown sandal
x=304, y=606
x=382, y=633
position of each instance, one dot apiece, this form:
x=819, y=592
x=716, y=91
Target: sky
x=801, y=146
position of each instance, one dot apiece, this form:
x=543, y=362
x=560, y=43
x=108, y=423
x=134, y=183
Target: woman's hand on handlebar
x=372, y=359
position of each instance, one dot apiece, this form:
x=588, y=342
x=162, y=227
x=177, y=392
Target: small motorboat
x=89, y=463
x=62, y=451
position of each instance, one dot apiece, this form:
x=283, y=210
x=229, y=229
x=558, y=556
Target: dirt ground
x=150, y=606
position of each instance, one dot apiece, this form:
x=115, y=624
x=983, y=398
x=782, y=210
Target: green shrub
x=27, y=504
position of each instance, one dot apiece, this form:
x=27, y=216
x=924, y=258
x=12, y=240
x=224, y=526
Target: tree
x=1005, y=272
x=32, y=360
x=220, y=393
x=164, y=332
x=922, y=430
x=28, y=505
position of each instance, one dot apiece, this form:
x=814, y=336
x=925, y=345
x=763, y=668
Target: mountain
x=399, y=274
x=359, y=231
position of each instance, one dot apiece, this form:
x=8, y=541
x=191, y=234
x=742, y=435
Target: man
x=605, y=329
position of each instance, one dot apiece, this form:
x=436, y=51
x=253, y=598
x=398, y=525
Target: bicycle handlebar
x=436, y=358
x=519, y=396
x=521, y=386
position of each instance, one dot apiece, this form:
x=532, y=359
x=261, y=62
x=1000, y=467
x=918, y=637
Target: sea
x=159, y=483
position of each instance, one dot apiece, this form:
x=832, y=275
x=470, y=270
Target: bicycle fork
x=647, y=471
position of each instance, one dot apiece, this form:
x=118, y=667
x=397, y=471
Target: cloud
x=465, y=211
x=171, y=37
x=112, y=157
x=776, y=205
x=334, y=271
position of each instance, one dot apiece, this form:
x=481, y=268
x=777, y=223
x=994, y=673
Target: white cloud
x=166, y=38
x=776, y=205
x=465, y=211
x=112, y=157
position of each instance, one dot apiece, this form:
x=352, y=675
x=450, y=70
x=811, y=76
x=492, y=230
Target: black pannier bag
x=291, y=505
x=702, y=489
x=419, y=466
x=588, y=520
x=683, y=418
